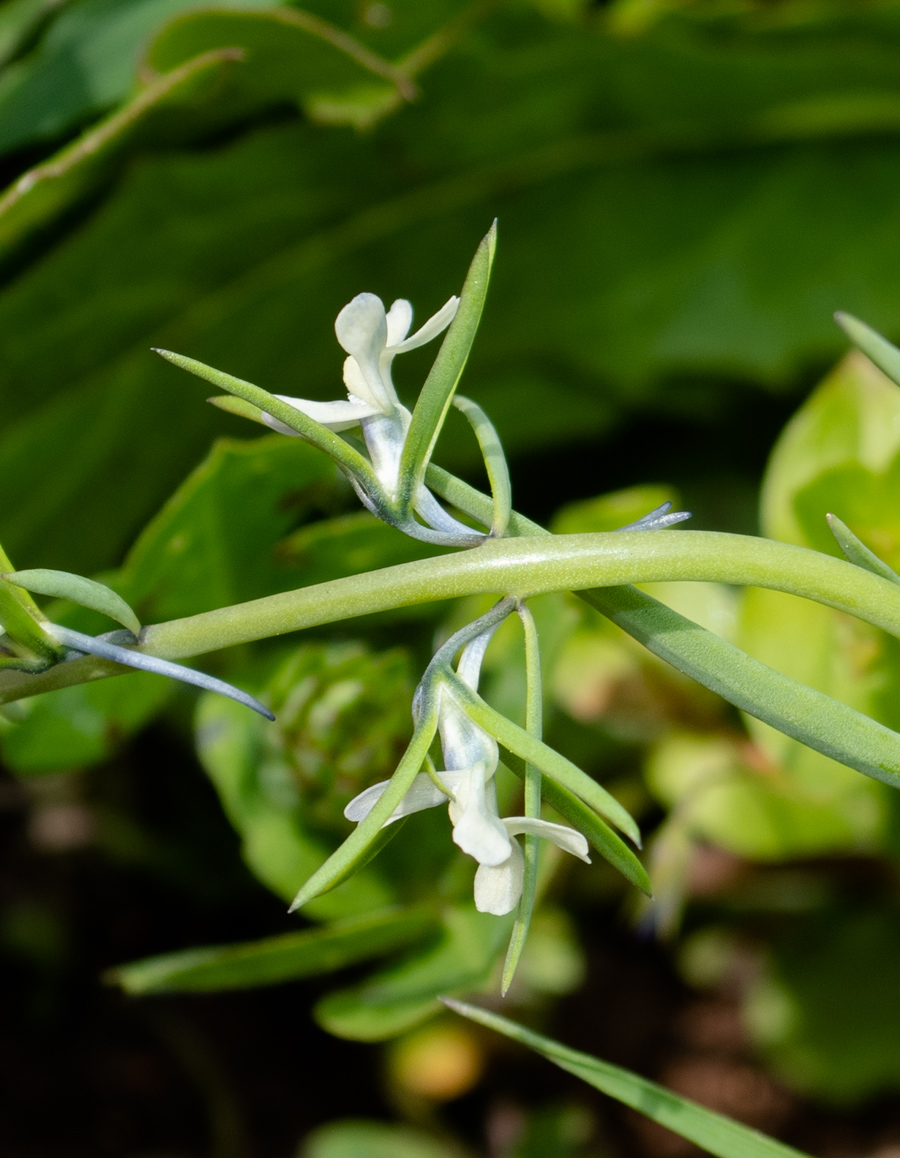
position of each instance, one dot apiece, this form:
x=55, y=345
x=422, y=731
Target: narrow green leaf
x=276, y=959
x=713, y=1132
x=534, y=716
x=550, y=762
x=437, y=393
x=813, y=718
x=85, y=592
x=857, y=552
x=355, y=851
x=237, y=406
x=314, y=432
x=494, y=461
x=877, y=349
x=462, y=959
x=600, y=836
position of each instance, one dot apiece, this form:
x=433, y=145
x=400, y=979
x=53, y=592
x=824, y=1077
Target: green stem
x=522, y=567
x=534, y=725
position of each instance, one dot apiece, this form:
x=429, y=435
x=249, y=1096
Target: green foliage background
x=686, y=192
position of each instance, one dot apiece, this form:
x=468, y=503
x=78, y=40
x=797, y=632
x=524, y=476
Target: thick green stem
x=522, y=567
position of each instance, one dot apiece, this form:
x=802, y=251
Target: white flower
x=471, y=756
x=498, y=887
x=372, y=338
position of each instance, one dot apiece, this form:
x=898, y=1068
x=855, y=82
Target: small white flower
x=372, y=339
x=471, y=756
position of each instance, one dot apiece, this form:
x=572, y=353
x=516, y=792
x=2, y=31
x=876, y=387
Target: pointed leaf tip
x=856, y=552
x=877, y=349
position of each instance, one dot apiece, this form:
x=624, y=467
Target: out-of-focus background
x=686, y=191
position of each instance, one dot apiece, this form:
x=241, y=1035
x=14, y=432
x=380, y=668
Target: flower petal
x=463, y=742
x=399, y=319
x=498, y=887
x=434, y=326
x=477, y=829
x=423, y=793
x=358, y=388
x=469, y=666
x=361, y=328
x=339, y=415
x=568, y=839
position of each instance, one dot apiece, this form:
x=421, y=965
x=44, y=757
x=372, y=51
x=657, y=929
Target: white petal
x=498, y=887
x=359, y=388
x=434, y=326
x=335, y=415
x=463, y=742
x=361, y=328
x=385, y=436
x=568, y=839
x=399, y=319
x=423, y=793
x=469, y=666
x=477, y=830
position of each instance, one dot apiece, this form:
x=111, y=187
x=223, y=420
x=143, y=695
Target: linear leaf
x=879, y=350
x=713, y=1132
x=355, y=850
x=437, y=393
x=857, y=552
x=534, y=716
x=306, y=427
x=600, y=836
x=78, y=589
x=550, y=762
x=494, y=462
x=276, y=959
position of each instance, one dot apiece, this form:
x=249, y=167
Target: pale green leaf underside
x=86, y=592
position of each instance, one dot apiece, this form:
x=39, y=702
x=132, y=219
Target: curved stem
x=522, y=567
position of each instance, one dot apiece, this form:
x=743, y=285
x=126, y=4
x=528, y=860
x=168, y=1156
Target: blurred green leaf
x=360, y=1139
x=288, y=55
x=167, y=109
x=825, y=1007
x=609, y=512
x=275, y=959
x=342, y=723
x=215, y=542
x=396, y=999
x=763, y=810
x=19, y=21
x=85, y=64
x=657, y=254
x=81, y=725
x=839, y=454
